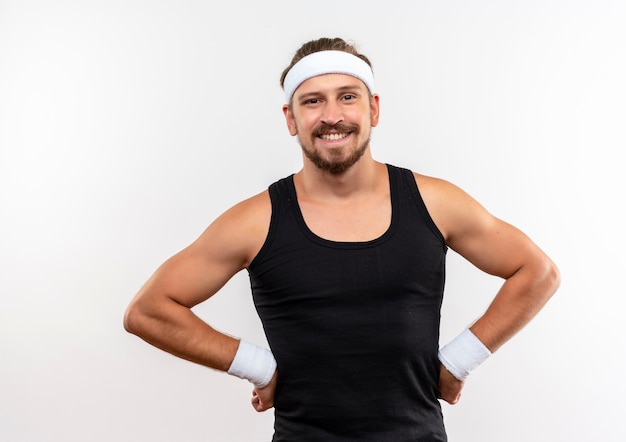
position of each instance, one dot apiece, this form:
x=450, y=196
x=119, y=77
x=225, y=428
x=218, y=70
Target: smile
x=334, y=137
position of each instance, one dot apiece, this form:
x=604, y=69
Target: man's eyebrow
x=340, y=90
x=350, y=87
x=309, y=95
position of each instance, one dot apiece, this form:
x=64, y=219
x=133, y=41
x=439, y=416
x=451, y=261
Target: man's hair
x=322, y=44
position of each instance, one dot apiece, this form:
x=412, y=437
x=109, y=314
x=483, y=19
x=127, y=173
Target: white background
x=126, y=127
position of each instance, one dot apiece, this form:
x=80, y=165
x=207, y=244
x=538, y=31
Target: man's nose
x=332, y=114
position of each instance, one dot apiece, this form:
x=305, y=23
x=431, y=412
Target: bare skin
x=350, y=206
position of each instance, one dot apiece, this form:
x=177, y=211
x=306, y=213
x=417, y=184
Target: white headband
x=327, y=62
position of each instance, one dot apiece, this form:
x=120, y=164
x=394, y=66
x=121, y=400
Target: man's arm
x=499, y=249
x=161, y=313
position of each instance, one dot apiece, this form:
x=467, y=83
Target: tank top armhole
x=274, y=193
x=409, y=180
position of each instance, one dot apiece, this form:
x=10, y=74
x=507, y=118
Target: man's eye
x=348, y=97
x=313, y=101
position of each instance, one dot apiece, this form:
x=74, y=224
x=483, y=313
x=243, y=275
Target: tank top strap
x=407, y=196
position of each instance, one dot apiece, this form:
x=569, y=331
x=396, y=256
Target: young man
x=346, y=261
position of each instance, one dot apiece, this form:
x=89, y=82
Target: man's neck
x=363, y=178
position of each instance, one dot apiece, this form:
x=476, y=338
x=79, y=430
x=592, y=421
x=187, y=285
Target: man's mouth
x=334, y=137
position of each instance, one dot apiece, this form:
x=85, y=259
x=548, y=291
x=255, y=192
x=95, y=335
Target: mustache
x=324, y=129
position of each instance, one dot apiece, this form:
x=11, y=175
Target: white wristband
x=463, y=354
x=253, y=363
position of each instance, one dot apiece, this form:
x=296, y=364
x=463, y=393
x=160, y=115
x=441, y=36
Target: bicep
x=226, y=247
x=486, y=241
x=191, y=276
x=491, y=244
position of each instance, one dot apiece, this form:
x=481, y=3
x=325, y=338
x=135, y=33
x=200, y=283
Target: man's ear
x=290, y=120
x=375, y=109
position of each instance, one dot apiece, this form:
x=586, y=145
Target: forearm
x=175, y=329
x=517, y=302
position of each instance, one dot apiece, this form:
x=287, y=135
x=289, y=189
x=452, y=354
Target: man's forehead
x=328, y=83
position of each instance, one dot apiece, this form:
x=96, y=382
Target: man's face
x=332, y=115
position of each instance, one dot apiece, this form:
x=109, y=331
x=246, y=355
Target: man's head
x=331, y=106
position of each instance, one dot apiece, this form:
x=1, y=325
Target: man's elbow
x=552, y=278
x=133, y=319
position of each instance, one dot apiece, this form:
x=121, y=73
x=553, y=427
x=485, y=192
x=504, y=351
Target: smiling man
x=346, y=260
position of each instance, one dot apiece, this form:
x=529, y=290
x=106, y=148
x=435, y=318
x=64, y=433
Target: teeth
x=334, y=137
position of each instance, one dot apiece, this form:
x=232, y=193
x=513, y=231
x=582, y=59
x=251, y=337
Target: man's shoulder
x=425, y=181
x=257, y=208
x=240, y=231
x=251, y=206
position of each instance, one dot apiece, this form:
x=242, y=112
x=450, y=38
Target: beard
x=337, y=164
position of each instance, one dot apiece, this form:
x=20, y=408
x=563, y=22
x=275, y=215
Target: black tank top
x=354, y=326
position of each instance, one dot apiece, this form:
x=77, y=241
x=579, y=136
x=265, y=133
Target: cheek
x=306, y=123
x=367, y=120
